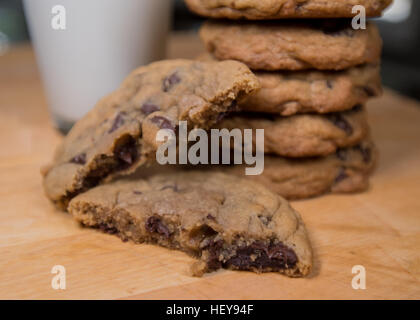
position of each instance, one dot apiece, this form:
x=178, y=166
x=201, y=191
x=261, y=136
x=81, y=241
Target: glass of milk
x=85, y=48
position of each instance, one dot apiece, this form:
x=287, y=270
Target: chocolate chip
x=340, y=122
x=170, y=81
x=126, y=153
x=241, y=261
x=281, y=252
x=155, y=225
x=173, y=187
x=329, y=84
x=341, y=176
x=137, y=192
x=258, y=246
x=273, y=256
x=162, y=123
x=214, y=248
x=148, y=108
x=366, y=153
x=211, y=217
x=79, y=159
x=118, y=121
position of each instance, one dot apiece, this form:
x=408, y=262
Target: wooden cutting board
x=378, y=229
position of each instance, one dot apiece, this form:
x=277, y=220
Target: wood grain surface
x=378, y=229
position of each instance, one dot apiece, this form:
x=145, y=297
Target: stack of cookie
x=316, y=75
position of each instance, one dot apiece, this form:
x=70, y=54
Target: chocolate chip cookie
x=278, y=9
x=346, y=171
x=118, y=135
x=293, y=45
x=226, y=221
x=304, y=135
x=288, y=93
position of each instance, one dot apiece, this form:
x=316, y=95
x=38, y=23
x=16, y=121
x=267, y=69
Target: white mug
x=85, y=48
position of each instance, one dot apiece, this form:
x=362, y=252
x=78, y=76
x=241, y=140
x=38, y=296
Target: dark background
x=400, y=29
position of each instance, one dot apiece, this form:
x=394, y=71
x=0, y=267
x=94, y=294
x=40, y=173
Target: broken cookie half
x=225, y=221
x=118, y=135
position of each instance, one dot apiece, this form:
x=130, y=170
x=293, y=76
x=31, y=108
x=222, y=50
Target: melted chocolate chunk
x=214, y=248
x=79, y=159
x=126, y=154
x=162, y=123
x=340, y=122
x=341, y=176
x=118, y=121
x=137, y=192
x=273, y=256
x=149, y=108
x=170, y=81
x=257, y=255
x=155, y=225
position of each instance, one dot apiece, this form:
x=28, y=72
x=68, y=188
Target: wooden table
x=379, y=229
